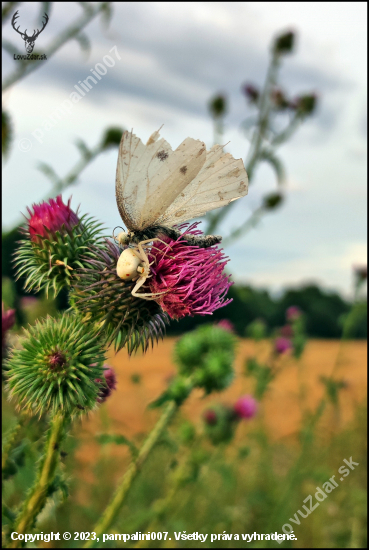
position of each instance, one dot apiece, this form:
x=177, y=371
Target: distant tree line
x=323, y=310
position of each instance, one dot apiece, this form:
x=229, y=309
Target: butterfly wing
x=221, y=180
x=150, y=177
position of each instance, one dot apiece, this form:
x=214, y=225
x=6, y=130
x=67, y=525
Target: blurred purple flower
x=251, y=92
x=281, y=345
x=245, y=407
x=109, y=385
x=7, y=322
x=279, y=99
x=210, y=417
x=50, y=217
x=226, y=325
x=192, y=278
x=286, y=331
x=293, y=313
x=28, y=301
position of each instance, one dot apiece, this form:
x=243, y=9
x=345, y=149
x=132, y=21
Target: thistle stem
x=39, y=492
x=121, y=493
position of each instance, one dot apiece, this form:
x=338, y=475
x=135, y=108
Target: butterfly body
x=160, y=231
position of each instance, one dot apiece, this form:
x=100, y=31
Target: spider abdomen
x=127, y=264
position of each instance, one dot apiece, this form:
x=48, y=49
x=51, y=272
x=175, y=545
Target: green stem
x=257, y=139
x=295, y=472
x=125, y=484
x=39, y=492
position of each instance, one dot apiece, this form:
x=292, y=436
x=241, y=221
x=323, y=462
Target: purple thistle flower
x=50, y=217
x=7, y=322
x=108, y=386
x=281, y=345
x=192, y=278
x=245, y=407
x=293, y=313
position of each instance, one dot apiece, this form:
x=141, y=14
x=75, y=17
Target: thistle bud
x=56, y=240
x=219, y=423
x=210, y=417
x=272, y=201
x=279, y=99
x=55, y=368
x=225, y=324
x=104, y=297
x=207, y=355
x=306, y=104
x=112, y=137
x=218, y=106
x=107, y=385
x=251, y=92
x=284, y=43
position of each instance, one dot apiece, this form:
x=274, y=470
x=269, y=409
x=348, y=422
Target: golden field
x=296, y=388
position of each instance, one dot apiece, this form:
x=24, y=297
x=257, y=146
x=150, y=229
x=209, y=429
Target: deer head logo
x=29, y=41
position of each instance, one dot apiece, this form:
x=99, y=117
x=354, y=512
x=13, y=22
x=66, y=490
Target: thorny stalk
x=37, y=497
x=125, y=484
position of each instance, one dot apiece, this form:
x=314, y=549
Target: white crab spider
x=133, y=265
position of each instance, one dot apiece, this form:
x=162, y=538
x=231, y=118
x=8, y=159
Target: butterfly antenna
x=117, y=227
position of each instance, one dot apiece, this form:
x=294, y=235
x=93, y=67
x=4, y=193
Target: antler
x=34, y=36
x=15, y=16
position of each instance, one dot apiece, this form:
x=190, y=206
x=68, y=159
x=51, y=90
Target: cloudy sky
x=173, y=58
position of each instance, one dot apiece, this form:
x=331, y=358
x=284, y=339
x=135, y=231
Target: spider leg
x=143, y=295
x=143, y=256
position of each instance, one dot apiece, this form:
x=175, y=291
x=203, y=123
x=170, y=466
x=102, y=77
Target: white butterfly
x=157, y=188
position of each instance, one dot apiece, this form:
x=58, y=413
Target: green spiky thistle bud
x=56, y=240
x=207, y=355
x=106, y=298
x=56, y=367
